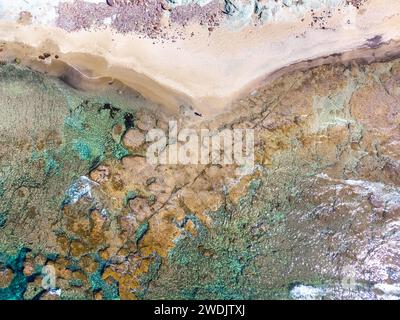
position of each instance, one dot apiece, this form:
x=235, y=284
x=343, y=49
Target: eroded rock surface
x=317, y=218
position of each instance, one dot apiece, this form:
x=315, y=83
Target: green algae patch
x=141, y=231
x=83, y=150
x=76, y=283
x=2, y=191
x=3, y=219
x=109, y=289
x=48, y=157
x=88, y=131
x=18, y=285
x=131, y=195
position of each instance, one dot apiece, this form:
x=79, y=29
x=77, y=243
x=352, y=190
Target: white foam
x=303, y=292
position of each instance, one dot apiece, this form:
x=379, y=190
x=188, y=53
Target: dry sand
x=208, y=70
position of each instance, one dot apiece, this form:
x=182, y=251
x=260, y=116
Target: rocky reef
x=316, y=217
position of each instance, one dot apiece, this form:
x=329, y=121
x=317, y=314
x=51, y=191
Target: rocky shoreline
x=171, y=72
x=316, y=217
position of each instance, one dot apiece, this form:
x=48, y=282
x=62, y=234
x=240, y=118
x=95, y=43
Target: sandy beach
x=210, y=69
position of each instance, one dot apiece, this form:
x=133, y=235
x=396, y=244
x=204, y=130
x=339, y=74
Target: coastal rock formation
x=316, y=217
x=321, y=206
